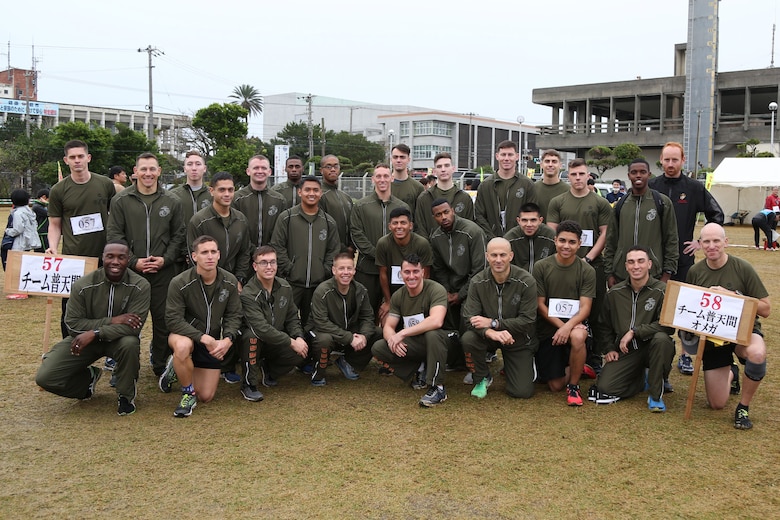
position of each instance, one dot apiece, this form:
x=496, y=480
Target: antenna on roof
x=772, y=61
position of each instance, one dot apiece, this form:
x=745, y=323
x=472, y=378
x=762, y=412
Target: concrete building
x=650, y=112
x=426, y=131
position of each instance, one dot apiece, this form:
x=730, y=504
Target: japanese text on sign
x=49, y=274
x=708, y=313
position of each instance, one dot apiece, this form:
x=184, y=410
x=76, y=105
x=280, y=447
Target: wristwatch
x=494, y=324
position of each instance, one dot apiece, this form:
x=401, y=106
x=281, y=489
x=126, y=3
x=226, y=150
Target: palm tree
x=248, y=97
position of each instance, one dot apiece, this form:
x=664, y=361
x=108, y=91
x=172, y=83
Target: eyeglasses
x=265, y=263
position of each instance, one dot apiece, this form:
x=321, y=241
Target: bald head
x=501, y=243
x=713, y=229
x=499, y=256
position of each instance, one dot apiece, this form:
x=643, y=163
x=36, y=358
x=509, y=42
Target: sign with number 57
x=45, y=275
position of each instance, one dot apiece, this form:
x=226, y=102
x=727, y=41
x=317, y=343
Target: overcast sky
x=481, y=56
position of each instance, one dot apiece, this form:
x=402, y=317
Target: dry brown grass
x=366, y=450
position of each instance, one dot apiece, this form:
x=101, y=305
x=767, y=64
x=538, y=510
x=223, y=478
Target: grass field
x=365, y=449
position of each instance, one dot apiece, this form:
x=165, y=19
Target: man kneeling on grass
x=422, y=305
x=104, y=315
x=203, y=305
x=634, y=338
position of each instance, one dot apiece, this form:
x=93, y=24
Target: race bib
x=85, y=224
x=562, y=308
x=411, y=321
x=395, y=275
x=587, y=238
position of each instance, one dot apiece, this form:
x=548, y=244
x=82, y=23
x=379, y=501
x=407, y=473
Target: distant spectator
x=617, y=192
x=766, y=221
x=40, y=207
x=772, y=202
x=118, y=176
x=24, y=227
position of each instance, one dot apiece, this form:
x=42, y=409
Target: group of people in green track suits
x=248, y=285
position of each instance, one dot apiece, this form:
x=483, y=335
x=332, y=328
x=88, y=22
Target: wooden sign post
x=710, y=314
x=45, y=275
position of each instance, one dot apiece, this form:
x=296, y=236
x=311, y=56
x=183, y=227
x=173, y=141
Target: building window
x=403, y=128
x=433, y=128
x=428, y=151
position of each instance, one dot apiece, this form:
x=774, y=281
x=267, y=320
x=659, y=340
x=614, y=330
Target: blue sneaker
x=434, y=396
x=231, y=377
x=346, y=369
x=655, y=406
x=110, y=364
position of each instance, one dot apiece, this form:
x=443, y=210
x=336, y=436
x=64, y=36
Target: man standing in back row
x=404, y=186
x=149, y=219
x=689, y=197
x=500, y=196
x=78, y=210
x=260, y=205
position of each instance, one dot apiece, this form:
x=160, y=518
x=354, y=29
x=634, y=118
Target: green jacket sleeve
x=175, y=309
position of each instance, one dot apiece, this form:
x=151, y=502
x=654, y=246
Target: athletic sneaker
x=251, y=393
x=386, y=370
x=110, y=364
x=685, y=365
x=741, y=419
x=573, y=397
x=230, y=377
x=187, y=404
x=655, y=406
x=418, y=382
x=588, y=372
x=436, y=395
x=126, y=406
x=490, y=357
x=168, y=377
x=346, y=368
x=668, y=388
x=469, y=378
x=318, y=382
x=96, y=373
x=736, y=388
x=480, y=390
x=307, y=368
x=266, y=378
x=599, y=397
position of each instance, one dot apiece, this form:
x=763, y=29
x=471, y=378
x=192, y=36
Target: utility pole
x=310, y=123
x=322, y=128
x=151, y=51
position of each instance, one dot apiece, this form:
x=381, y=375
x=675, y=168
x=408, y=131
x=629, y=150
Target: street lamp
x=521, y=120
x=773, y=109
x=390, y=144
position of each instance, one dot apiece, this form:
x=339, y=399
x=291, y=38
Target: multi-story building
x=426, y=131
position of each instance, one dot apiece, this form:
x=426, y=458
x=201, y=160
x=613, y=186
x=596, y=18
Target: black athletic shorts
x=201, y=357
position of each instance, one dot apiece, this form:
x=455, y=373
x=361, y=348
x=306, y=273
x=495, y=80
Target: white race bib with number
x=411, y=321
x=395, y=275
x=562, y=308
x=587, y=238
x=85, y=224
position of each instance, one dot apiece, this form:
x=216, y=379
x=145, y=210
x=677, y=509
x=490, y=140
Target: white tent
x=742, y=183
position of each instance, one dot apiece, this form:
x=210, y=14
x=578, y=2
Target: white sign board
x=45, y=275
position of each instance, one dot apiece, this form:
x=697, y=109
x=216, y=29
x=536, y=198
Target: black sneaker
x=96, y=374
x=418, y=382
x=186, y=405
x=736, y=388
x=741, y=419
x=266, y=378
x=490, y=357
x=433, y=397
x=168, y=377
x=126, y=406
x=251, y=393
x=110, y=364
